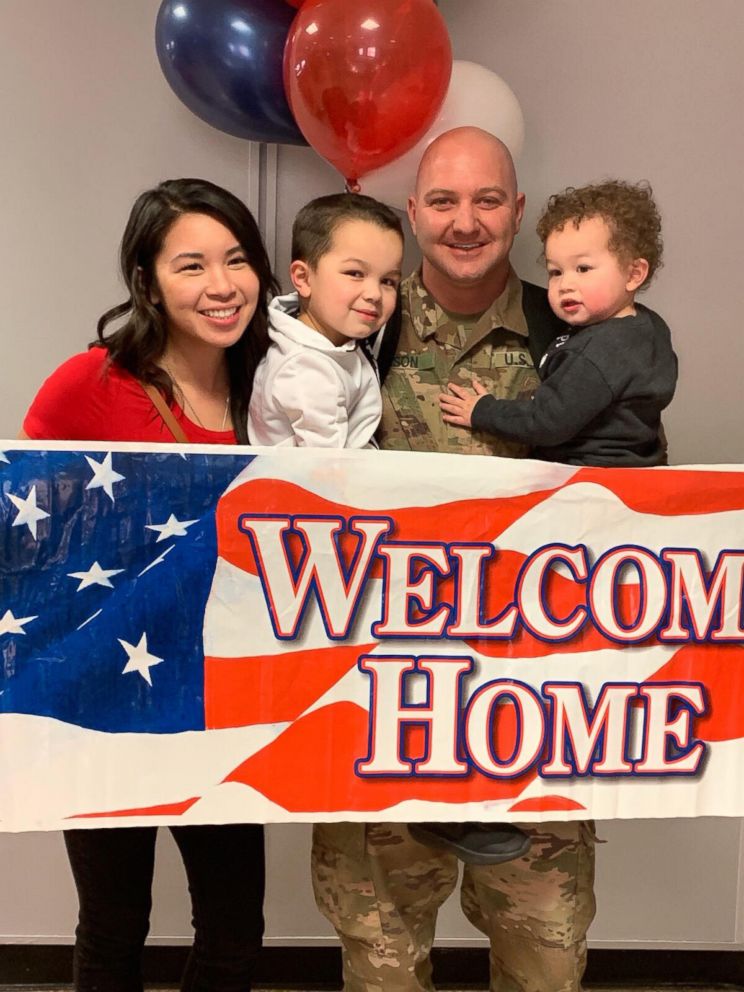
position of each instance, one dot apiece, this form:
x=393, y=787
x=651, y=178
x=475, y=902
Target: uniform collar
x=430, y=320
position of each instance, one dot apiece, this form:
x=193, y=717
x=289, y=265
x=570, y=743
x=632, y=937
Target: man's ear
x=519, y=212
x=299, y=273
x=411, y=211
x=637, y=274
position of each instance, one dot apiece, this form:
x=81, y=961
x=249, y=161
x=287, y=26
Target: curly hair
x=628, y=209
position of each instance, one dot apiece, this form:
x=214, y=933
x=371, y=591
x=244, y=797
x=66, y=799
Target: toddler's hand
x=457, y=405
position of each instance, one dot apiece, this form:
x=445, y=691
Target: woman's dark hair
x=141, y=340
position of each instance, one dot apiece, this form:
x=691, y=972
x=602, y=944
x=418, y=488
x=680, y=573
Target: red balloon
x=365, y=78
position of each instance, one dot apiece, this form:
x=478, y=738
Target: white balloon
x=476, y=97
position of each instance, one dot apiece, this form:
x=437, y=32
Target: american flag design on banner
x=213, y=635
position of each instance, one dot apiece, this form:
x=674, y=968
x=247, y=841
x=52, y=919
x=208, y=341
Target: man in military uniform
x=464, y=314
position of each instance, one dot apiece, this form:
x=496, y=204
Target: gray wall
x=639, y=88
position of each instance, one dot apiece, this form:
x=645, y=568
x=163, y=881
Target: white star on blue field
x=100, y=624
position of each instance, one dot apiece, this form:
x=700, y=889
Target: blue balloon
x=223, y=59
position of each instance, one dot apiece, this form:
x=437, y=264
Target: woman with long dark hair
x=179, y=367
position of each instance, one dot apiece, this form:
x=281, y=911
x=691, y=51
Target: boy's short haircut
x=628, y=209
x=312, y=231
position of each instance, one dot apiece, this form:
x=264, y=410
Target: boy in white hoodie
x=315, y=387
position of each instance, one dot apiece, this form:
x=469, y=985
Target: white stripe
x=384, y=480
x=589, y=514
x=51, y=770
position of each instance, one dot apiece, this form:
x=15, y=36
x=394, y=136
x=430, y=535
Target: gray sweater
x=600, y=400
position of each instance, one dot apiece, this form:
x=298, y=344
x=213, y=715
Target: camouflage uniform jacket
x=434, y=348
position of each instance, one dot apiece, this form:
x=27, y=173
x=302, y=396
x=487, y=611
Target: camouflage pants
x=381, y=890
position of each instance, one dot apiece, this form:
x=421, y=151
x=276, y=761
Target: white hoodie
x=309, y=392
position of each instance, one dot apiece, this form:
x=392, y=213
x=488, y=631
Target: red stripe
x=669, y=493
x=169, y=809
x=662, y=493
x=468, y=520
x=272, y=688
x=544, y=804
x=310, y=768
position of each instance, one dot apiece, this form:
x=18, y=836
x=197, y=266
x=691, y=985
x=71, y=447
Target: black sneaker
x=474, y=843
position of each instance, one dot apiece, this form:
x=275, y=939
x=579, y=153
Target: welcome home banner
x=196, y=635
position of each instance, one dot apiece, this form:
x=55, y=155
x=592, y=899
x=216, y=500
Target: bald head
x=465, y=213
x=474, y=147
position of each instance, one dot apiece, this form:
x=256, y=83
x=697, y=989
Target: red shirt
x=89, y=398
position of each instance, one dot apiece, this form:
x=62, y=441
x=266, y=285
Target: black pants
x=113, y=874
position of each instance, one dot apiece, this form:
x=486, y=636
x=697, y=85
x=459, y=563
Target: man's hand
x=457, y=405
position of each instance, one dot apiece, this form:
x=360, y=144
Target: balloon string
x=352, y=186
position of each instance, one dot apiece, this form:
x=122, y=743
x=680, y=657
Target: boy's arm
x=309, y=392
x=562, y=405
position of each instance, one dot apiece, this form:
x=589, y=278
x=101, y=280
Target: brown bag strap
x=165, y=412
